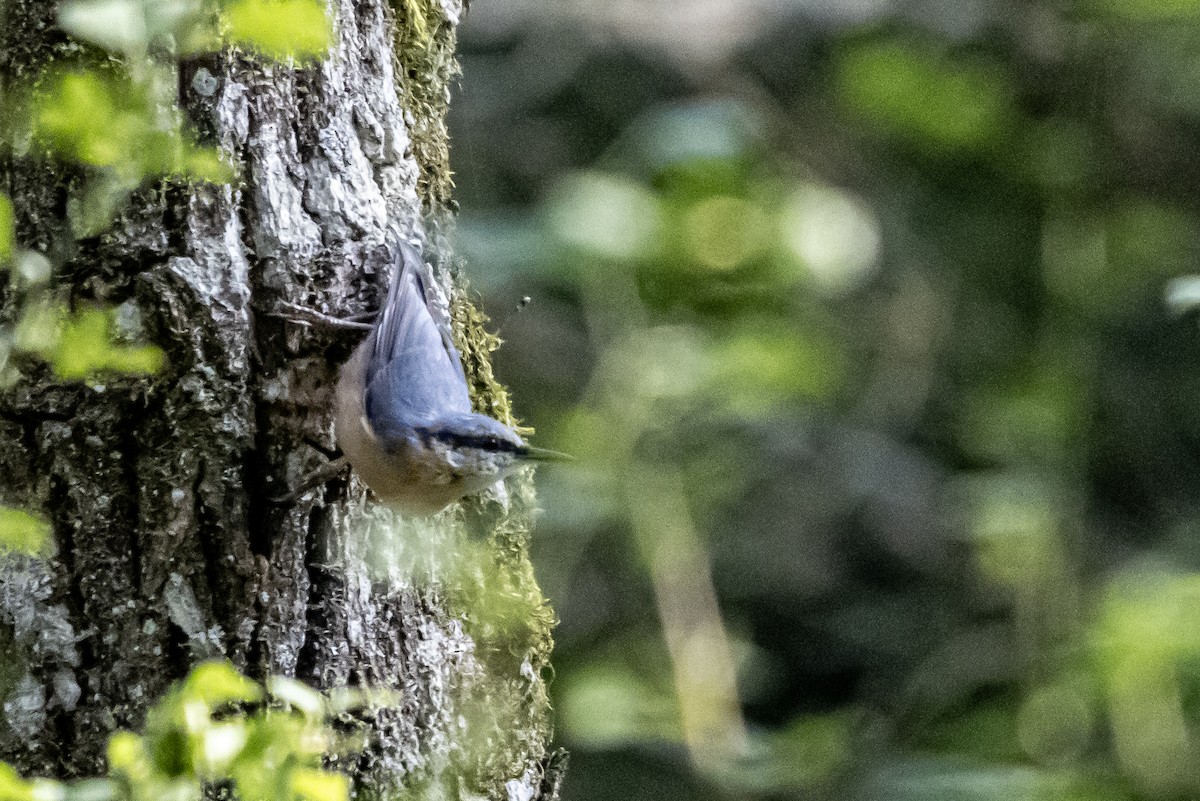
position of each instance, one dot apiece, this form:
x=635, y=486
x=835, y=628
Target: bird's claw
x=307, y=316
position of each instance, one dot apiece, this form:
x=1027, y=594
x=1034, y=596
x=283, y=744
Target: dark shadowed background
x=855, y=314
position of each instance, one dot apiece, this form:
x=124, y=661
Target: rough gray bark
x=168, y=549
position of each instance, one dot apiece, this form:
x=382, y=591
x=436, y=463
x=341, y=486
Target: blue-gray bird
x=404, y=419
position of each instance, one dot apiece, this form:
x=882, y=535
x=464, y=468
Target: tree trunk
x=168, y=549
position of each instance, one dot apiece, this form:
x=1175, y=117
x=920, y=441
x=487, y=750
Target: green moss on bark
x=426, y=67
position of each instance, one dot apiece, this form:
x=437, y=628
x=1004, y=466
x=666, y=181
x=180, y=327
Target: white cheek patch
x=439, y=463
x=463, y=462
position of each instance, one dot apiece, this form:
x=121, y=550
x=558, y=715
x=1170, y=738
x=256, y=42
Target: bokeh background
x=868, y=322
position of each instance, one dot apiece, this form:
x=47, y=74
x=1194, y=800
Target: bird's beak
x=544, y=455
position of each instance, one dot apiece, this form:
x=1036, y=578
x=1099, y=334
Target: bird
x=403, y=416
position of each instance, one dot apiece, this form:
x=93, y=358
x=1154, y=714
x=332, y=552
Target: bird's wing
x=414, y=372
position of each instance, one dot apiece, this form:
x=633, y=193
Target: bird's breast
x=403, y=474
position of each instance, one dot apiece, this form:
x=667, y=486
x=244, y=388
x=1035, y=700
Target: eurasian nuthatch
x=404, y=419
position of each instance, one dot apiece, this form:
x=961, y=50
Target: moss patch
x=426, y=68
x=476, y=344
x=492, y=588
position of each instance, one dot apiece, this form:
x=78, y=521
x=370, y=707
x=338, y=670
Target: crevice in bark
x=177, y=648
x=30, y=422
x=257, y=467
x=15, y=487
x=316, y=620
x=256, y=652
x=210, y=553
x=68, y=591
x=174, y=216
x=130, y=450
x=72, y=594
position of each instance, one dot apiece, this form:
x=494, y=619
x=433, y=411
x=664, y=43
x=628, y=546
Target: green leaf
x=199, y=734
x=7, y=233
x=131, y=26
x=37, y=330
x=21, y=531
x=12, y=786
x=927, y=97
x=297, y=695
x=82, y=344
x=80, y=117
x=118, y=25
x=89, y=790
x=257, y=772
x=218, y=683
x=126, y=752
x=85, y=346
x=221, y=744
x=144, y=360
x=280, y=28
x=114, y=125
x=206, y=164
x=311, y=784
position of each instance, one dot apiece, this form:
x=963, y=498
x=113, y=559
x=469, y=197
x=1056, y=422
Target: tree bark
x=168, y=549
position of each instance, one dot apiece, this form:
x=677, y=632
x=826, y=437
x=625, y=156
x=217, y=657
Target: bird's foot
x=306, y=316
x=319, y=477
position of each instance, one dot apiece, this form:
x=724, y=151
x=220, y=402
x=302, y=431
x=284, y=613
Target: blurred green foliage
x=215, y=727
x=22, y=532
x=883, y=288
x=6, y=230
x=104, y=122
x=277, y=29
x=280, y=28
x=81, y=344
x=938, y=102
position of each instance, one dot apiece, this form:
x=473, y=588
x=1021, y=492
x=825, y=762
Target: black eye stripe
x=482, y=442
